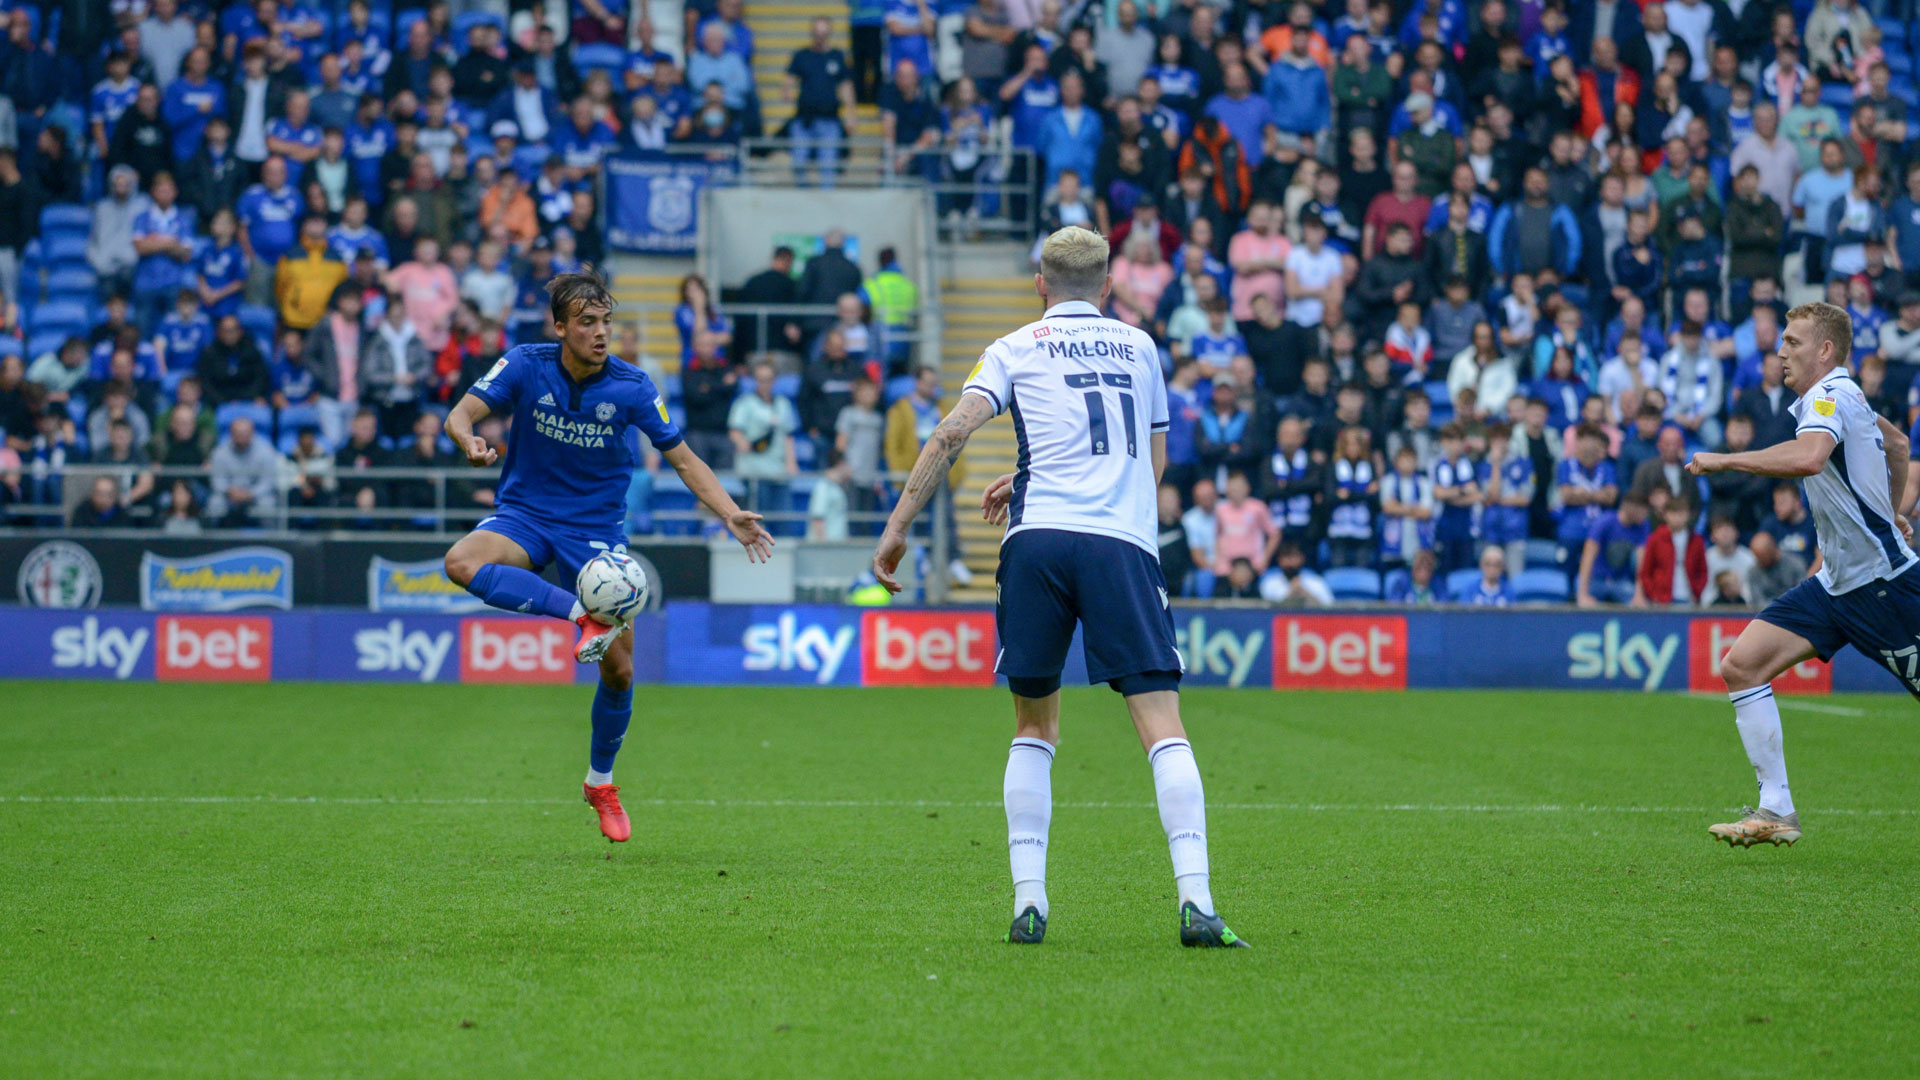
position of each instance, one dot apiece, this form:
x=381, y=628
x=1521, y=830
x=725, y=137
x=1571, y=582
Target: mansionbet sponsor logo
x=213, y=648
x=516, y=651
x=1347, y=652
x=926, y=648
x=1708, y=642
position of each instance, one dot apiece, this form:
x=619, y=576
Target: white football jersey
x=1850, y=498
x=1086, y=397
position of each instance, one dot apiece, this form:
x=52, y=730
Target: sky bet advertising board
x=692, y=642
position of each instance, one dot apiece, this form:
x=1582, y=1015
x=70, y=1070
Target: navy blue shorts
x=1051, y=578
x=1882, y=620
x=545, y=544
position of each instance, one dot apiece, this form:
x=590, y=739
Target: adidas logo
x=547, y=399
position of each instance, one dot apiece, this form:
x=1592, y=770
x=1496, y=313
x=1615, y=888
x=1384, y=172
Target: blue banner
x=653, y=204
x=416, y=587
x=247, y=577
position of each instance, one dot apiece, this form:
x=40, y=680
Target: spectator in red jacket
x=1660, y=583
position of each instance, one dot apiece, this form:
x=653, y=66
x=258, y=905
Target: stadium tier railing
x=1003, y=191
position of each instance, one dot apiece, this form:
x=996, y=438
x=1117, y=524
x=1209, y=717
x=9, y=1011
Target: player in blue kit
x=562, y=495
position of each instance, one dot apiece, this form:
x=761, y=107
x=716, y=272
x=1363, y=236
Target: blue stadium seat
x=1540, y=587
x=10, y=346
x=68, y=316
x=1462, y=582
x=787, y=386
x=1354, y=583
x=65, y=218
x=402, y=25
x=464, y=23
x=1399, y=583
x=73, y=280
x=64, y=249
x=807, y=455
x=1837, y=95
x=39, y=345
x=1543, y=554
x=897, y=387
x=600, y=56
x=1899, y=64
x=670, y=387
x=260, y=321
x=294, y=417
x=261, y=415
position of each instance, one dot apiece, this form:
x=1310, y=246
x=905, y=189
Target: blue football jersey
x=569, y=459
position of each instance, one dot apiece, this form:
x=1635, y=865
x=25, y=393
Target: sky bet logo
x=783, y=646
x=1220, y=654
x=1608, y=656
x=392, y=648
x=89, y=646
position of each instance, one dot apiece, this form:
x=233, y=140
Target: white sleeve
x=989, y=378
x=1157, y=416
x=1825, y=411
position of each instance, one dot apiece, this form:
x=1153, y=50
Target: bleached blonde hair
x=1074, y=263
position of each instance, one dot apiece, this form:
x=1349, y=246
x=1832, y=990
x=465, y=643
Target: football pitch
x=317, y=881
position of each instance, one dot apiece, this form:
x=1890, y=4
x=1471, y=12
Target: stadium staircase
x=651, y=298
x=976, y=309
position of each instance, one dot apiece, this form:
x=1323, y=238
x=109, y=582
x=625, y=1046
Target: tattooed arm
x=936, y=458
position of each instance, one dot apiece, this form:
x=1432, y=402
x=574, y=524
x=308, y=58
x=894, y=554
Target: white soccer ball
x=612, y=587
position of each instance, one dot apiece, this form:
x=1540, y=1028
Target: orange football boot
x=605, y=800
x=596, y=638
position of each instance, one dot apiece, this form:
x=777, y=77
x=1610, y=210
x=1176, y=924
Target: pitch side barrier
x=698, y=643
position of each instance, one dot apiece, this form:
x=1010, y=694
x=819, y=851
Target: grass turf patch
x=1486, y=884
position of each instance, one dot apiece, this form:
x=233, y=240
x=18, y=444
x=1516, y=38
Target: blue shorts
x=1882, y=620
x=1051, y=578
x=546, y=544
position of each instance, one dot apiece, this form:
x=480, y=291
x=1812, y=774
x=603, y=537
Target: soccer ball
x=612, y=587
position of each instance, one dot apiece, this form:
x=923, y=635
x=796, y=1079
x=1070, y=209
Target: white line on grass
x=1801, y=704
x=913, y=804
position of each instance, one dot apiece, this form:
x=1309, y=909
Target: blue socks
x=612, y=711
x=510, y=588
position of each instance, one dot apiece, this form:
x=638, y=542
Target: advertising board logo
x=1708, y=642
x=227, y=580
x=1218, y=654
x=1348, y=652
x=784, y=645
x=395, y=649
x=213, y=648
x=92, y=646
x=416, y=587
x=515, y=651
x=1607, y=655
x=59, y=574
x=926, y=648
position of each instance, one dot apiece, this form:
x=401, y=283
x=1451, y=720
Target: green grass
x=820, y=885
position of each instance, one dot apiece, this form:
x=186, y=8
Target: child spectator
x=1353, y=492
x=1588, y=486
x=1408, y=343
x=1607, y=568
x=1508, y=479
x=1458, y=493
x=1244, y=528
x=1202, y=535
x=1407, y=510
x=859, y=433
x=1726, y=559
x=827, y=505
x=1673, y=565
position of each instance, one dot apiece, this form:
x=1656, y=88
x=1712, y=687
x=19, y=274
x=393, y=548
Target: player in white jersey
x=1866, y=593
x=1089, y=410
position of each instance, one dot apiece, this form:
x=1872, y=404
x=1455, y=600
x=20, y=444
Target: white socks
x=579, y=609
x=1183, y=813
x=1757, y=716
x=1029, y=797
x=598, y=778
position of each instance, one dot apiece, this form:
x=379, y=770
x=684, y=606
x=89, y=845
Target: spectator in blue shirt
x=221, y=266
x=727, y=16
x=191, y=101
x=369, y=139
x=1607, y=572
x=1071, y=135
x=582, y=143
x=269, y=215
x=353, y=235
x=910, y=27
x=1244, y=113
x=1588, y=485
x=184, y=332
x=715, y=63
x=111, y=97
x=294, y=136
x=163, y=238
x=1493, y=589
x=1296, y=90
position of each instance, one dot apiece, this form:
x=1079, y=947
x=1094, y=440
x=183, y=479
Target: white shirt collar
x=1071, y=309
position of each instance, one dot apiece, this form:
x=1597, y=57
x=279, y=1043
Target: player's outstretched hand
x=479, y=454
x=746, y=528
x=994, y=500
x=886, y=558
x=1704, y=463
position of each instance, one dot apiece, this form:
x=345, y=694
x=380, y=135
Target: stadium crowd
x=1447, y=292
